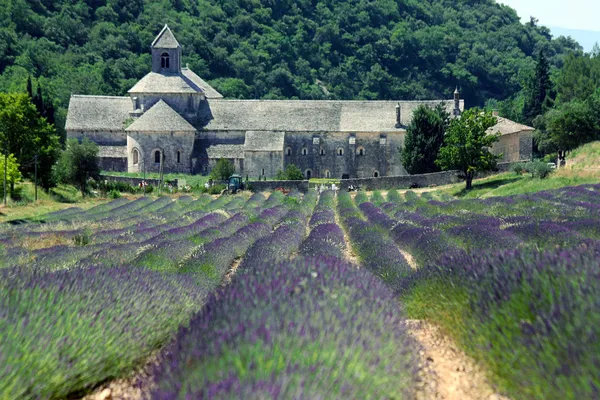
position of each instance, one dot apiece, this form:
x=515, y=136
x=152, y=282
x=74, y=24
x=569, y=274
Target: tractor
x=234, y=185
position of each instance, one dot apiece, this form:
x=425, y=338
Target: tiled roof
x=160, y=118
x=506, y=127
x=226, y=151
x=154, y=82
x=165, y=40
x=264, y=141
x=208, y=90
x=312, y=115
x=112, y=151
x=97, y=113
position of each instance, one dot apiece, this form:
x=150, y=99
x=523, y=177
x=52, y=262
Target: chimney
x=398, y=116
x=456, y=102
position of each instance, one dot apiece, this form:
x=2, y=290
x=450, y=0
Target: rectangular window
x=352, y=140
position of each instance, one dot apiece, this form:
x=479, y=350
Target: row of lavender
x=313, y=328
x=65, y=331
x=516, y=280
x=128, y=230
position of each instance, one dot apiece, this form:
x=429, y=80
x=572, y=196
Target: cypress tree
x=537, y=100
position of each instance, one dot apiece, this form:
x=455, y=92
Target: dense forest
x=308, y=49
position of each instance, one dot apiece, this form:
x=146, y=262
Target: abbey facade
x=172, y=115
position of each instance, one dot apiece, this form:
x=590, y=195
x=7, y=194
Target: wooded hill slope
x=309, y=49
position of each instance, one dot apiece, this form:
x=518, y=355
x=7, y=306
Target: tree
x=24, y=133
x=13, y=175
x=537, y=96
x=572, y=124
x=222, y=170
x=424, y=137
x=291, y=173
x=77, y=164
x=467, y=144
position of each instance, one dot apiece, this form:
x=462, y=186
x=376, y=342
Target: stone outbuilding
x=173, y=116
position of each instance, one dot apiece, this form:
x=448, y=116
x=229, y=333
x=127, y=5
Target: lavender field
x=302, y=296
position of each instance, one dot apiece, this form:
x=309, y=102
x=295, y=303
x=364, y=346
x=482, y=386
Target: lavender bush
x=309, y=329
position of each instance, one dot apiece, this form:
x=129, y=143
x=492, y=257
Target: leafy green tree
x=77, y=164
x=291, y=173
x=573, y=124
x=222, y=170
x=13, y=175
x=24, y=133
x=537, y=96
x=423, y=140
x=467, y=145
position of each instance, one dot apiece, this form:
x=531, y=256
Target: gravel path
x=447, y=373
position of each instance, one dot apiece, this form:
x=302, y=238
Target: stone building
x=174, y=118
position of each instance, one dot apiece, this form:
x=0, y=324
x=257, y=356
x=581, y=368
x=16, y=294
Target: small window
x=164, y=60
x=340, y=151
x=136, y=157
x=288, y=151
x=322, y=151
x=304, y=151
x=178, y=157
x=308, y=174
x=327, y=174
x=263, y=172
x=375, y=174
x=157, y=157
x=360, y=151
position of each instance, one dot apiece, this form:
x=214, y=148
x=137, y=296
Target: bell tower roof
x=165, y=40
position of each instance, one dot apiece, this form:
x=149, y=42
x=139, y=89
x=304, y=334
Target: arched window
x=375, y=174
x=164, y=60
x=157, y=156
x=308, y=173
x=136, y=156
x=304, y=151
x=360, y=151
x=178, y=157
x=322, y=151
x=327, y=174
x=340, y=151
x=288, y=151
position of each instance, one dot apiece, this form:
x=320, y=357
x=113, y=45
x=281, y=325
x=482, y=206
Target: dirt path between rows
x=446, y=372
x=349, y=252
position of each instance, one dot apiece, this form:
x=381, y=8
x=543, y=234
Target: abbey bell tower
x=166, y=53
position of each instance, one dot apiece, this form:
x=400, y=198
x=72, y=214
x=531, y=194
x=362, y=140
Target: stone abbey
x=174, y=114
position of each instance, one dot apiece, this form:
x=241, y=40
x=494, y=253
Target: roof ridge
x=164, y=30
x=331, y=101
x=100, y=96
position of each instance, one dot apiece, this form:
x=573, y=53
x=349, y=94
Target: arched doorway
x=308, y=174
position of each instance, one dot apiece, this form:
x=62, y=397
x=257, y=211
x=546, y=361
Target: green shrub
x=114, y=194
x=518, y=168
x=538, y=169
x=216, y=189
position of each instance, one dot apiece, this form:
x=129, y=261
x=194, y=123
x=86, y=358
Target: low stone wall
x=412, y=181
x=133, y=181
x=267, y=186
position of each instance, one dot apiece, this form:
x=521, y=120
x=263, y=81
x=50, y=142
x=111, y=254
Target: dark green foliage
x=571, y=124
x=467, y=144
x=424, y=137
x=291, y=173
x=78, y=164
x=275, y=49
x=537, y=94
x=222, y=170
x=24, y=133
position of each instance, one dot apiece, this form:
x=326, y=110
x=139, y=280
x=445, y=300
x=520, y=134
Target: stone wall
x=171, y=143
x=269, y=186
x=116, y=164
x=319, y=154
x=101, y=138
x=134, y=181
x=410, y=181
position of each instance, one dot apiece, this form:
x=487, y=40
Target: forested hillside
x=309, y=49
